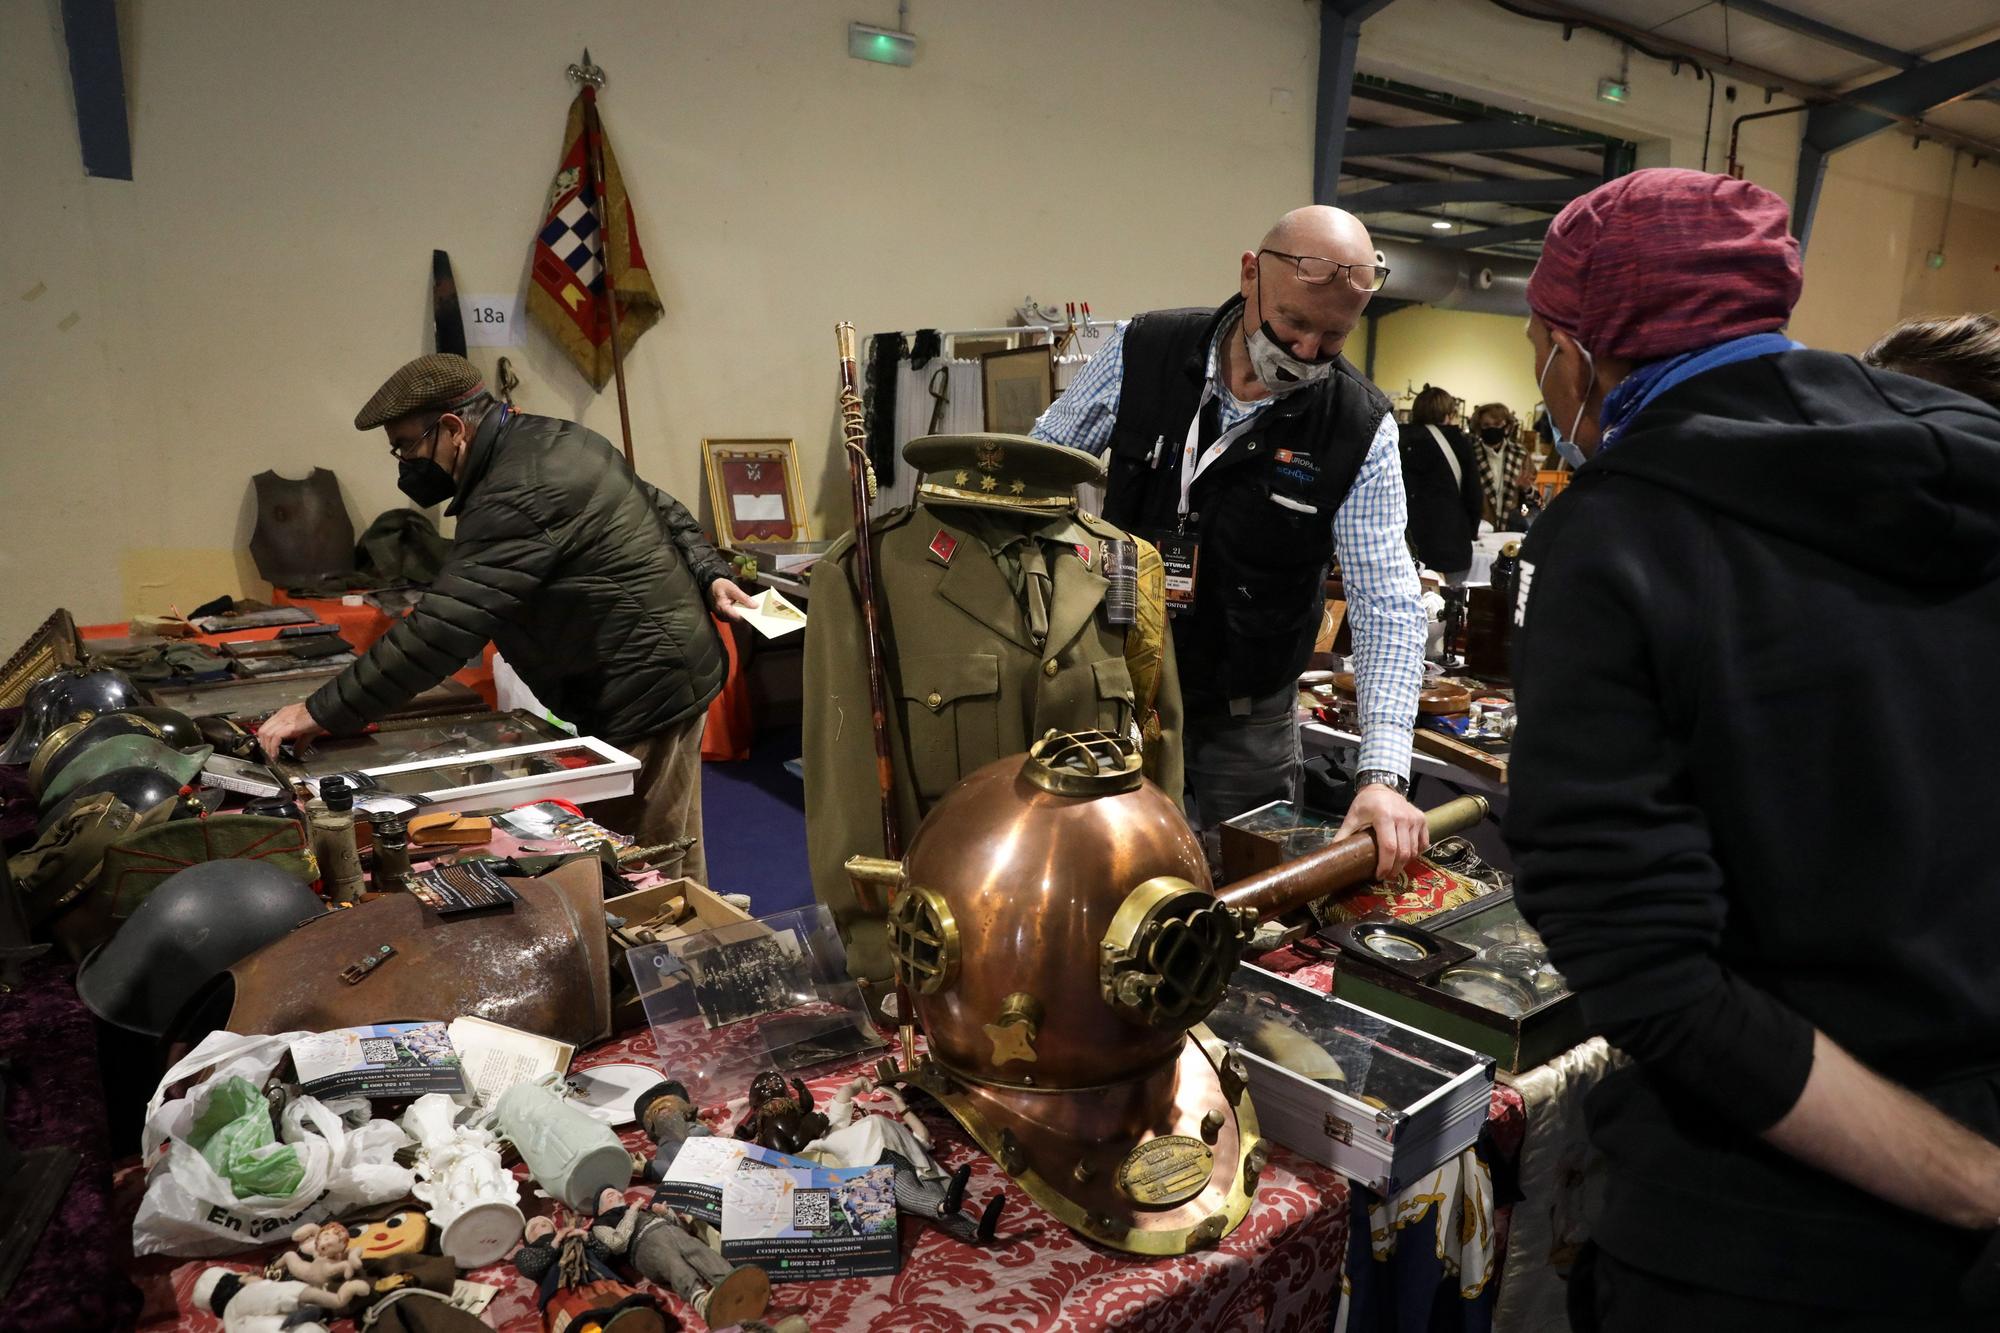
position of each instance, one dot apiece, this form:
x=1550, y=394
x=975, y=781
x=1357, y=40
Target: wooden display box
x=707, y=910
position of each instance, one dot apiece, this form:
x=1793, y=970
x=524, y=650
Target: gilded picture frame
x=755, y=492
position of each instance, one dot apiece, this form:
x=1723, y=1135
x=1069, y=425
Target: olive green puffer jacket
x=593, y=583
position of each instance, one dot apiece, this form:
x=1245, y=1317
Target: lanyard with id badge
x=1180, y=550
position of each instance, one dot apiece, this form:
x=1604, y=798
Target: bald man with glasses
x=1242, y=444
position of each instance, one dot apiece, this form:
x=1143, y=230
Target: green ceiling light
x=1613, y=90
x=884, y=46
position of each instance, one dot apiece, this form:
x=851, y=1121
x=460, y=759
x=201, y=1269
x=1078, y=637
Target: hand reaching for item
x=727, y=597
x=290, y=723
x=1400, y=831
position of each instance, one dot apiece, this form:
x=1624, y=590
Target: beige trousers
x=665, y=803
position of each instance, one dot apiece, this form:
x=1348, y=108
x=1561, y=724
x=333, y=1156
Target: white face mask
x=1565, y=441
x=1277, y=369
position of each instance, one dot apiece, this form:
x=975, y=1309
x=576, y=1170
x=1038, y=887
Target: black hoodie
x=1749, y=797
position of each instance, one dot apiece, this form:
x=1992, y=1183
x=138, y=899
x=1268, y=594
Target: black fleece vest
x=1263, y=512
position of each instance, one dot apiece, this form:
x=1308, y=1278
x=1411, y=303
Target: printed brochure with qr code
x=381, y=1060
x=803, y=1222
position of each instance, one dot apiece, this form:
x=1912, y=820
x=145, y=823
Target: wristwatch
x=1382, y=777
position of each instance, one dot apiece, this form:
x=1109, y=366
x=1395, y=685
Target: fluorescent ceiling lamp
x=1440, y=225
x=884, y=46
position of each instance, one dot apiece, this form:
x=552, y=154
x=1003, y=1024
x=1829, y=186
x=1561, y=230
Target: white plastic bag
x=190, y=1210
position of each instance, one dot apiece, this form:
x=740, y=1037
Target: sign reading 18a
x=490, y=321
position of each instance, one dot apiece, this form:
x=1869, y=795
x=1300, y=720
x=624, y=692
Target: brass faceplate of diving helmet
x=1169, y=953
x=1084, y=763
x=923, y=940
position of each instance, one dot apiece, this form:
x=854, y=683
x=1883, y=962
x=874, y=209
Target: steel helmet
x=137, y=788
x=54, y=700
x=188, y=932
x=72, y=739
x=116, y=752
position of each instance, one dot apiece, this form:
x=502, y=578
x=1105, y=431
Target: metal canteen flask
x=572, y=1156
x=1055, y=926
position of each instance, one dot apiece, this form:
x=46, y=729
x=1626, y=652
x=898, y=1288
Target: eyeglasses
x=1320, y=271
x=401, y=449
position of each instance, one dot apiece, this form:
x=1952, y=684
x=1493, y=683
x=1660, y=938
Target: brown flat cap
x=435, y=383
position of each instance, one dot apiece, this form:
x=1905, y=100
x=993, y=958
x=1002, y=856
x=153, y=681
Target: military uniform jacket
x=966, y=686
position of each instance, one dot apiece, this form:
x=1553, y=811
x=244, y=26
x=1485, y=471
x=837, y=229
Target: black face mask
x=1492, y=434
x=425, y=482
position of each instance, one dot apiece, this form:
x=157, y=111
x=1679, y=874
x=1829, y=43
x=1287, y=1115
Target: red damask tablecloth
x=1279, y=1270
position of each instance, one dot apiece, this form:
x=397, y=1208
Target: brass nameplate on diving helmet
x=1167, y=1170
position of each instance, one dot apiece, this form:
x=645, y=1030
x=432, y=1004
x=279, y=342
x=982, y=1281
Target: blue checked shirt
x=1380, y=577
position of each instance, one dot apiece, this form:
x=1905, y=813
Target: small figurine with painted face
x=781, y=1118
x=652, y=1240
x=670, y=1118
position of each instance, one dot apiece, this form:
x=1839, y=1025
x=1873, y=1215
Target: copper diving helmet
x=1056, y=930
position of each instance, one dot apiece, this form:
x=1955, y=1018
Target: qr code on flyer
x=378, y=1050
x=812, y=1210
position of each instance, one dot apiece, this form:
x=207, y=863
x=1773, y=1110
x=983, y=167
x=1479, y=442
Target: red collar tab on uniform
x=943, y=545
x=1083, y=554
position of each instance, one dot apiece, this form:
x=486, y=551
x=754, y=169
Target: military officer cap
x=436, y=383
x=1000, y=471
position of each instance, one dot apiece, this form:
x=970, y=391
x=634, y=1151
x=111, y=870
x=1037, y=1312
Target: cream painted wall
x=298, y=161
x=1480, y=358
x=161, y=340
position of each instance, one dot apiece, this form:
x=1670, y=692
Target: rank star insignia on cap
x=436, y=383
x=1013, y=472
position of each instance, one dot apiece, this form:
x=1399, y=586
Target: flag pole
x=592, y=77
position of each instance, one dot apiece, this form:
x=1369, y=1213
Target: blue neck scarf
x=1631, y=394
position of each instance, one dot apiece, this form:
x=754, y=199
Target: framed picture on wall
x=755, y=491
x=1019, y=385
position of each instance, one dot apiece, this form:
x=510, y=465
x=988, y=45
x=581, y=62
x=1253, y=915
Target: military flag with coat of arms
x=583, y=250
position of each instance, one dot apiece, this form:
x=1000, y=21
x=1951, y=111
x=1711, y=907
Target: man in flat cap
x=1004, y=613
x=1748, y=819
x=1243, y=445
x=595, y=585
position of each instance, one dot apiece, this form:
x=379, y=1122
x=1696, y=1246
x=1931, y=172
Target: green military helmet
x=1011, y=472
x=125, y=752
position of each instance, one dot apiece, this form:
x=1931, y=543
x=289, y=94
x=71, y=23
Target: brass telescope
x=1055, y=926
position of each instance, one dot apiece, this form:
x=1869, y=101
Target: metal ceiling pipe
x=1456, y=279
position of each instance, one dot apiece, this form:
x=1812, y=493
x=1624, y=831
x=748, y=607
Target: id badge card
x=1178, y=557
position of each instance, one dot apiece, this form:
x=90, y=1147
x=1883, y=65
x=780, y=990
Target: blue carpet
x=753, y=814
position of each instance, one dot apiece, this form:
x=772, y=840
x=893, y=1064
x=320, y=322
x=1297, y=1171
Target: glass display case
x=578, y=770
x=437, y=738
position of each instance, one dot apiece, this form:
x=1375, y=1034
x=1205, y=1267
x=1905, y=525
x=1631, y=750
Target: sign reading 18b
x=490, y=320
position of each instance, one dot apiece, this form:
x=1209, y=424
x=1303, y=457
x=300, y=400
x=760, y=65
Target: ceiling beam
x=1339, y=41
x=97, y=78
x=1768, y=79
x=1805, y=26
x=1485, y=236
x=1426, y=194
x=1911, y=93
x=1470, y=136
